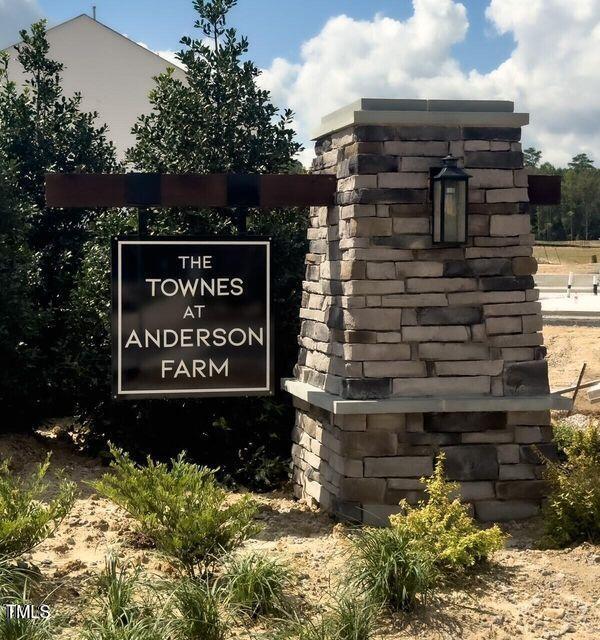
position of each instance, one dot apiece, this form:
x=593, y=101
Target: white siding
x=113, y=73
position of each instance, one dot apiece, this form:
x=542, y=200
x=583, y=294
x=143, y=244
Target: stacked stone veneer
x=388, y=314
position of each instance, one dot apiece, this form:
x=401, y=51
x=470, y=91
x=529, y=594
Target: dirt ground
x=526, y=593
x=568, y=348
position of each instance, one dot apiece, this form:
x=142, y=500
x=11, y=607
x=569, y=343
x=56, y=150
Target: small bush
x=256, y=584
x=443, y=528
x=197, y=611
x=390, y=569
x=25, y=519
x=181, y=507
x=572, y=511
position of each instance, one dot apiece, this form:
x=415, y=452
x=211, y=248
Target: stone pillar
x=409, y=348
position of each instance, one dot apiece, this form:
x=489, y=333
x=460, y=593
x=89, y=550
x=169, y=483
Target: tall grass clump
x=390, y=569
x=572, y=511
x=443, y=528
x=196, y=610
x=351, y=617
x=13, y=628
x=124, y=611
x=26, y=519
x=181, y=507
x=255, y=584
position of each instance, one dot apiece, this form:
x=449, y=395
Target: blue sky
x=274, y=27
x=318, y=55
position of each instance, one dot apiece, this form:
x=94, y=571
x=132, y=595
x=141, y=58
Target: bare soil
x=568, y=349
x=525, y=592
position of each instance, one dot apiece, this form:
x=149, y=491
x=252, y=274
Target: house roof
x=84, y=16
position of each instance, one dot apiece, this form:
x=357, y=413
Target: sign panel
x=191, y=317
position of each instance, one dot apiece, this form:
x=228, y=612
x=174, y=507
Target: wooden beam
x=78, y=190
x=544, y=189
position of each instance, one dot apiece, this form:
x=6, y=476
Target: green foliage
x=41, y=130
x=125, y=612
x=25, y=518
x=217, y=121
x=577, y=217
x=20, y=318
x=443, y=527
x=181, y=507
x=572, y=510
x=13, y=628
x=532, y=157
x=196, y=611
x=390, y=568
x=351, y=617
x=256, y=584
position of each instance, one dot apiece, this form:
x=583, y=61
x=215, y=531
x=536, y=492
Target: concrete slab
x=349, y=116
x=338, y=406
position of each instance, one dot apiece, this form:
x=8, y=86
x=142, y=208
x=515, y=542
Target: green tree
x=217, y=120
x=581, y=162
x=19, y=317
x=42, y=130
x=532, y=157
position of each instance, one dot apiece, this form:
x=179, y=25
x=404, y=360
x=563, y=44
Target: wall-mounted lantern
x=450, y=196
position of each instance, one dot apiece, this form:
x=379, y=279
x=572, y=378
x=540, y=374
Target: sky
x=318, y=55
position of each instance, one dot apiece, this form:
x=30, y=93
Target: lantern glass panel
x=437, y=213
x=454, y=210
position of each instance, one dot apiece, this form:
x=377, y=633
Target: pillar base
x=357, y=459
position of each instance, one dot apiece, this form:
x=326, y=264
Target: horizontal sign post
x=191, y=317
x=80, y=190
x=544, y=189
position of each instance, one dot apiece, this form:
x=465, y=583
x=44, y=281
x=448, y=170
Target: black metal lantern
x=450, y=195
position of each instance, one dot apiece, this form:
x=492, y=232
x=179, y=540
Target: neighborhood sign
x=191, y=317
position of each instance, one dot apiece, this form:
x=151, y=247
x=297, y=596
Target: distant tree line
x=577, y=217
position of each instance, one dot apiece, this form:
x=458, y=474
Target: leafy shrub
x=197, y=611
x=572, y=511
x=256, y=584
x=25, y=519
x=248, y=438
x=181, y=508
x=390, y=569
x=443, y=528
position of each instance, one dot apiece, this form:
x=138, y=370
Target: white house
x=113, y=73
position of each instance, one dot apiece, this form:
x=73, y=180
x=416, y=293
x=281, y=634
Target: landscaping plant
x=572, y=510
x=443, y=528
x=26, y=519
x=197, y=610
x=124, y=610
x=256, y=584
x=181, y=507
x=350, y=617
x=390, y=569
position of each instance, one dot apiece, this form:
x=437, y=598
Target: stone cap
x=399, y=112
x=436, y=404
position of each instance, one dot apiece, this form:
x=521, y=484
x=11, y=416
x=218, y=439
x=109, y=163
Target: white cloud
x=14, y=16
x=553, y=72
x=168, y=54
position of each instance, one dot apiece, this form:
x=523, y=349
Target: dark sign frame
x=118, y=390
